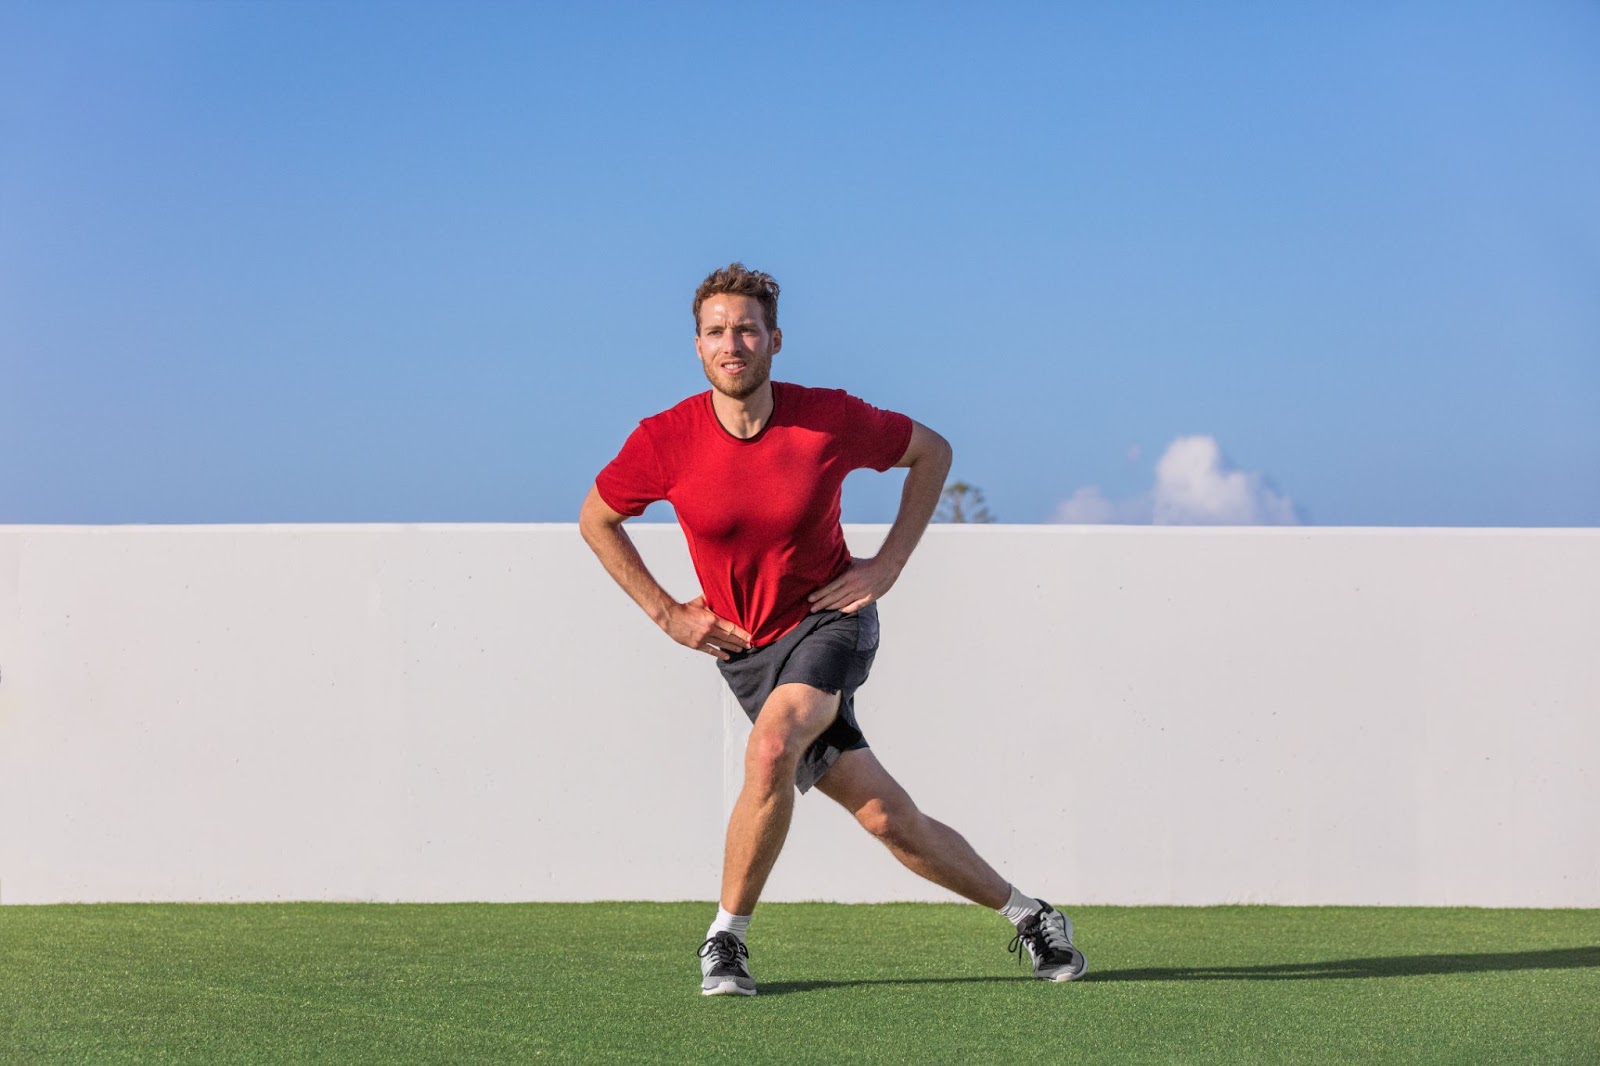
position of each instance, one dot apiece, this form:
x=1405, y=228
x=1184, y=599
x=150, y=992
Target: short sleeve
x=632, y=481
x=870, y=436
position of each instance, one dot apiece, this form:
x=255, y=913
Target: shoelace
x=1047, y=939
x=726, y=950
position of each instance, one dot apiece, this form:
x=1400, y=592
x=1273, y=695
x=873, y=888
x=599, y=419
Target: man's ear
x=777, y=341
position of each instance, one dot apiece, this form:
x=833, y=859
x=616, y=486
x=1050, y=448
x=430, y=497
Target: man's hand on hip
x=693, y=626
x=866, y=581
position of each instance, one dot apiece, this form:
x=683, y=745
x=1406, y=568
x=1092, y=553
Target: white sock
x=1019, y=906
x=737, y=924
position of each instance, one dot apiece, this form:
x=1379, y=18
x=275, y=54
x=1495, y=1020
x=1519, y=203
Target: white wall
x=1116, y=715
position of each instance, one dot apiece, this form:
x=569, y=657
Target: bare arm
x=690, y=624
x=867, y=580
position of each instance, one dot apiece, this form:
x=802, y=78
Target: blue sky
x=304, y=262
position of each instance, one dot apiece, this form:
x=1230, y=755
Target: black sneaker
x=723, y=969
x=1047, y=937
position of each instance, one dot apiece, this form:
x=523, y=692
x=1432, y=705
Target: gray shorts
x=831, y=651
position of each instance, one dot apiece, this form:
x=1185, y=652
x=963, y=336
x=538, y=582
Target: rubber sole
x=727, y=988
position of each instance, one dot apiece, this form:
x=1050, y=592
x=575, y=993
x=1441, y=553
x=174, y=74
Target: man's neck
x=747, y=417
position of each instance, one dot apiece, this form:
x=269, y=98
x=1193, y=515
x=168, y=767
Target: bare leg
x=792, y=717
x=926, y=847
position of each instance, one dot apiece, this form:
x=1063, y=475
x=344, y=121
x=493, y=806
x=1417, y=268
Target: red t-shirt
x=761, y=515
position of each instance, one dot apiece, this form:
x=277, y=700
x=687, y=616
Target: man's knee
x=772, y=754
x=891, y=821
x=786, y=726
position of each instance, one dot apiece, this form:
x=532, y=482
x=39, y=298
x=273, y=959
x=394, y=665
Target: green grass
x=619, y=982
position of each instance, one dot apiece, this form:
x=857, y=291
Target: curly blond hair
x=736, y=279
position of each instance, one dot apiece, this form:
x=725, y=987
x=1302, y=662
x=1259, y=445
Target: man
x=753, y=468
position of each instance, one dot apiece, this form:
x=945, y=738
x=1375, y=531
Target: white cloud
x=1089, y=506
x=1195, y=485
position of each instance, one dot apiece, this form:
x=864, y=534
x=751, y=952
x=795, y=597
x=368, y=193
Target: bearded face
x=735, y=346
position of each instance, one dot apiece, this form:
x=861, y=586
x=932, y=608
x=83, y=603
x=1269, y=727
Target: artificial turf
x=618, y=982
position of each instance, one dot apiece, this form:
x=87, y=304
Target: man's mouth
x=732, y=368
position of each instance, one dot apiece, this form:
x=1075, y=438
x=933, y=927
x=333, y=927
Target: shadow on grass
x=1339, y=970
x=780, y=988
x=1348, y=969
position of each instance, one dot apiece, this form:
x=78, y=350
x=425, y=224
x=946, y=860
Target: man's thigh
x=797, y=712
x=858, y=778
